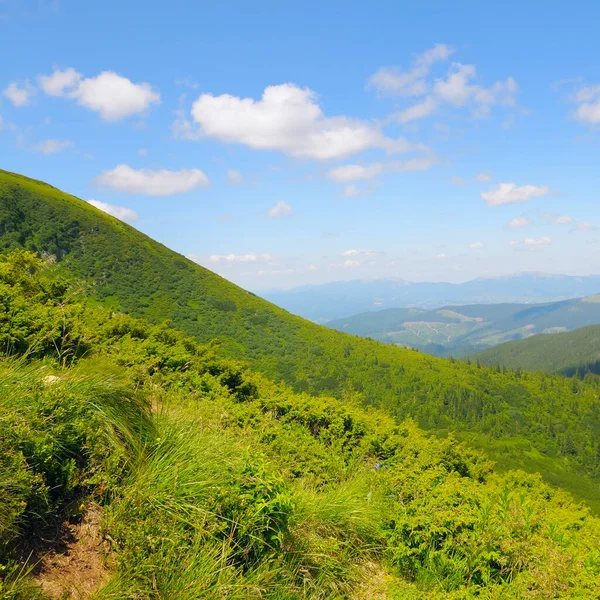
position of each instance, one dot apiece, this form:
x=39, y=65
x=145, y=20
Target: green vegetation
x=574, y=353
x=461, y=330
x=216, y=482
x=537, y=422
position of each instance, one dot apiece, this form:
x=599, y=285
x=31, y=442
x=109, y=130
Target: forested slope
x=571, y=353
x=214, y=482
x=513, y=415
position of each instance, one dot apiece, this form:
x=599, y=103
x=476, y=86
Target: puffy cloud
x=588, y=109
x=60, y=83
x=19, y=94
x=112, y=96
x=120, y=212
x=52, y=146
x=511, y=193
x=518, y=222
x=391, y=80
x=457, y=88
x=477, y=246
x=348, y=173
x=287, y=118
x=281, y=209
x=234, y=177
x=152, y=183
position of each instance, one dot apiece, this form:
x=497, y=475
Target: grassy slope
x=217, y=483
x=557, y=353
x=132, y=273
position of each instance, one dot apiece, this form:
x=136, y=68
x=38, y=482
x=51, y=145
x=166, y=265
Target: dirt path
x=76, y=569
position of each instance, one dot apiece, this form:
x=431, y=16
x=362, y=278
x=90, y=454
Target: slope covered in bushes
x=535, y=421
x=216, y=482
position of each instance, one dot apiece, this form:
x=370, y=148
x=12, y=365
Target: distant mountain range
x=322, y=303
x=461, y=330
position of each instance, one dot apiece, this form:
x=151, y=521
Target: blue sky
x=281, y=144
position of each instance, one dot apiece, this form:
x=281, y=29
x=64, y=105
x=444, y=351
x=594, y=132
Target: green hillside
x=460, y=330
x=571, y=353
x=199, y=478
x=513, y=416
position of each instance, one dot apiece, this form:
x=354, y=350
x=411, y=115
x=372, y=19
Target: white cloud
x=457, y=88
x=354, y=252
x=19, y=94
x=287, y=118
x=511, y=193
x=442, y=256
x=120, y=212
x=112, y=96
x=518, y=222
x=561, y=220
x=152, y=183
x=588, y=99
x=483, y=176
x=391, y=80
x=239, y=258
x=586, y=227
x=349, y=264
x=543, y=241
x=52, y=146
x=417, y=111
x=477, y=246
x=60, y=83
x=234, y=177
x=281, y=209
x=352, y=190
x=348, y=173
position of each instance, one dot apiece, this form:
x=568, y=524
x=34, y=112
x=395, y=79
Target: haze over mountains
x=460, y=330
x=322, y=303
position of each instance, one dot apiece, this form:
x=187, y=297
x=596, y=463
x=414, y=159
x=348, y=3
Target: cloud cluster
x=162, y=182
x=287, y=119
x=112, y=96
x=120, y=212
x=511, y=193
x=457, y=88
x=588, y=101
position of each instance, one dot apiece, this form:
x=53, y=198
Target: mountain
x=136, y=463
x=330, y=301
x=512, y=416
x=572, y=353
x=461, y=330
